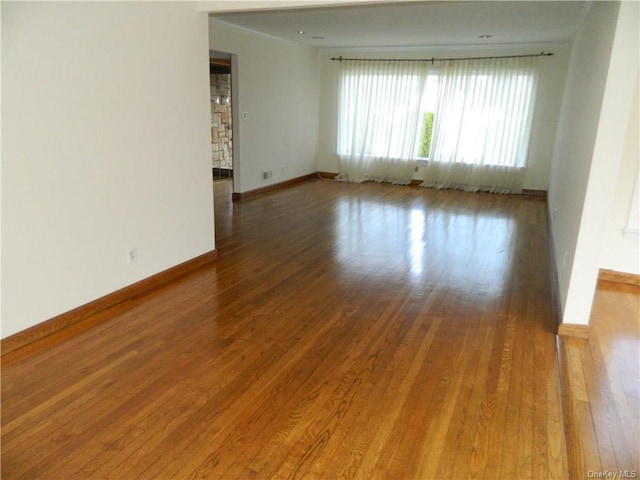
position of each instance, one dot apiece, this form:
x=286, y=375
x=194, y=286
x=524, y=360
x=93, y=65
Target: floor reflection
x=416, y=234
x=417, y=242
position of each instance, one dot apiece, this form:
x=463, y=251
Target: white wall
x=621, y=250
x=277, y=86
x=593, y=124
x=105, y=127
x=551, y=82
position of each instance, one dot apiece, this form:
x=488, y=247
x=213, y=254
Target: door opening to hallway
x=221, y=114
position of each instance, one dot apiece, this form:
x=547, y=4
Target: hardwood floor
x=601, y=386
x=345, y=331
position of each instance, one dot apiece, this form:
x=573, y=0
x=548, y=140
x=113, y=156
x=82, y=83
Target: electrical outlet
x=266, y=175
x=282, y=170
x=132, y=255
x=245, y=115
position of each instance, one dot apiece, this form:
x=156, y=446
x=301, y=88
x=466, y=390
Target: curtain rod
x=340, y=58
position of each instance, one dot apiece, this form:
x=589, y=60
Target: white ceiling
x=428, y=23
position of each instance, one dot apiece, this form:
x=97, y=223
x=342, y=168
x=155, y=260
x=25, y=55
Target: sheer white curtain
x=379, y=106
x=482, y=124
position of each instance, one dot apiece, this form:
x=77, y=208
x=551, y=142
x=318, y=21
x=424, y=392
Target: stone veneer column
x=221, y=124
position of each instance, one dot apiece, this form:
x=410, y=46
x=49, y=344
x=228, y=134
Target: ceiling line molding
x=445, y=48
x=232, y=6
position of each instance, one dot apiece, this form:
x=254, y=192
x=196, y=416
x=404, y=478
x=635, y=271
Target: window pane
x=427, y=109
x=425, y=136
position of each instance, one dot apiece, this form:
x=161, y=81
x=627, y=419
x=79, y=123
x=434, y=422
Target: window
x=470, y=119
x=480, y=138
x=379, y=107
x=427, y=114
x=375, y=111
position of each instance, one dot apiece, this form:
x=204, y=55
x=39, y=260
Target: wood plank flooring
x=601, y=386
x=345, y=331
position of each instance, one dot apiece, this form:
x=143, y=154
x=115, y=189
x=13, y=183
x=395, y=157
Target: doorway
x=221, y=115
